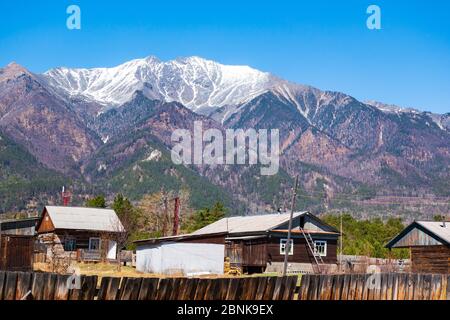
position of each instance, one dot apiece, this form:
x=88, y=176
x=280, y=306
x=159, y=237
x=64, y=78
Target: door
x=234, y=252
x=112, y=250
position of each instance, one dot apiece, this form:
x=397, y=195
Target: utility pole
x=340, y=245
x=166, y=215
x=1, y=235
x=287, y=248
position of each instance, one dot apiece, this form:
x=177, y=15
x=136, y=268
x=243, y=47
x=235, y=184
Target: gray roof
x=439, y=231
x=244, y=224
x=92, y=219
x=438, y=228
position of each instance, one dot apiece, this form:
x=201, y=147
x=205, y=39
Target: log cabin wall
x=55, y=241
x=302, y=253
x=430, y=259
x=261, y=251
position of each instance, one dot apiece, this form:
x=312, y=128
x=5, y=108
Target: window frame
x=99, y=243
x=283, y=243
x=323, y=244
x=73, y=242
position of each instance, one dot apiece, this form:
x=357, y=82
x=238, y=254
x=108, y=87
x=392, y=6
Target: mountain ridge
x=337, y=144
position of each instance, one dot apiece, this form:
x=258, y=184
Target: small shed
x=429, y=244
x=188, y=259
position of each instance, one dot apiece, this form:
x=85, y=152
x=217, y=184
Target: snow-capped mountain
x=197, y=83
x=202, y=85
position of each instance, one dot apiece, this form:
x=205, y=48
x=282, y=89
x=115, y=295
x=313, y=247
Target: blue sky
x=322, y=43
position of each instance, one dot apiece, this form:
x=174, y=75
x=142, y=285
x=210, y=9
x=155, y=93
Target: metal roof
x=175, y=238
x=438, y=230
x=245, y=224
x=78, y=218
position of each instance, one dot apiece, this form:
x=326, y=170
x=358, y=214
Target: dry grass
x=112, y=270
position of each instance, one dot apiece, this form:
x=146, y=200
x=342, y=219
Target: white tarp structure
x=181, y=258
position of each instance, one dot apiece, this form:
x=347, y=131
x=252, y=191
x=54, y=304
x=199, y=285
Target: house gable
x=414, y=236
x=46, y=223
x=309, y=222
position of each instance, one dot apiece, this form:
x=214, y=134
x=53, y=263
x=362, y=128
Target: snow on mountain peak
x=195, y=82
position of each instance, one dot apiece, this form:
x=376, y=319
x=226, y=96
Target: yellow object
x=228, y=269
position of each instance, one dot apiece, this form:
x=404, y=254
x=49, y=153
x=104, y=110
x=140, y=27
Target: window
x=70, y=244
x=94, y=244
x=320, y=248
x=283, y=243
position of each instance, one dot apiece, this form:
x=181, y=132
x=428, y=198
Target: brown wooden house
x=257, y=243
x=88, y=234
x=429, y=244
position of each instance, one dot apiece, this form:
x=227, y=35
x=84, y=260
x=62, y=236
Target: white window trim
x=325, y=245
x=99, y=243
x=283, y=243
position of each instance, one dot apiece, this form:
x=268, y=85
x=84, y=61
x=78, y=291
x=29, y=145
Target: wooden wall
x=16, y=253
x=260, y=251
x=302, y=254
x=430, y=259
x=46, y=224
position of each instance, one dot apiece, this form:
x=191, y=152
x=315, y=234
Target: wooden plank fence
x=48, y=286
x=383, y=286
x=388, y=286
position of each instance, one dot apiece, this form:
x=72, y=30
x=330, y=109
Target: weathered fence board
x=37, y=285
x=2, y=283
x=61, y=287
x=23, y=285
x=109, y=288
x=10, y=286
x=148, y=290
x=130, y=288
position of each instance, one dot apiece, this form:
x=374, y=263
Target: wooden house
x=257, y=243
x=429, y=244
x=88, y=234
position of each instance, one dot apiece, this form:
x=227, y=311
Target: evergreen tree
x=97, y=202
x=204, y=217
